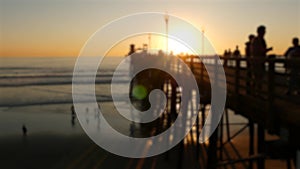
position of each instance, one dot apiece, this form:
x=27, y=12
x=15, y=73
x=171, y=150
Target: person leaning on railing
x=293, y=65
x=259, y=52
x=295, y=43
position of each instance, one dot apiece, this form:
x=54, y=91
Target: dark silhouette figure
x=24, y=130
x=293, y=67
x=97, y=116
x=229, y=52
x=131, y=130
x=73, y=115
x=248, y=61
x=236, y=52
x=229, y=55
x=248, y=47
x=259, y=53
x=295, y=43
x=225, y=55
x=87, y=115
x=131, y=50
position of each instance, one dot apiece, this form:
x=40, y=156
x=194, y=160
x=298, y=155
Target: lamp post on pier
x=167, y=36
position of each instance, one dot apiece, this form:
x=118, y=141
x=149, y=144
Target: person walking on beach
x=24, y=130
x=73, y=115
x=259, y=52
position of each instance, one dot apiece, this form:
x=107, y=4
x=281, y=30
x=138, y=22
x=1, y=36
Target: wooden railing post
x=269, y=118
x=192, y=63
x=271, y=87
x=225, y=61
x=237, y=81
x=212, y=159
x=202, y=72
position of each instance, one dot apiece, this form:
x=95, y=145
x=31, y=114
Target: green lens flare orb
x=139, y=92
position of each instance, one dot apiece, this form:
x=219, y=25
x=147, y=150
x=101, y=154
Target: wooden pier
x=268, y=107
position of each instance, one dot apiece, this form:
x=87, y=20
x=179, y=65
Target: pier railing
x=269, y=104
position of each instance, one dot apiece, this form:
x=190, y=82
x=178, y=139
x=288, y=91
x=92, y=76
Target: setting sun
x=155, y=43
x=177, y=47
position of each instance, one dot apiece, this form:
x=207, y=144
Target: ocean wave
x=45, y=83
x=100, y=99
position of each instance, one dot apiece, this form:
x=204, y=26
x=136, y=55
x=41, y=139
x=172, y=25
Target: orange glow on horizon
x=54, y=29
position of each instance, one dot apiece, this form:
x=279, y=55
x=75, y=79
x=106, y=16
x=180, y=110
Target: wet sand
x=52, y=142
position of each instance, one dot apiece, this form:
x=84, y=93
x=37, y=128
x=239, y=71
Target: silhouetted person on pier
x=229, y=55
x=248, y=46
x=131, y=50
x=293, y=67
x=24, y=130
x=259, y=53
x=248, y=61
x=236, y=52
x=295, y=43
x=229, y=52
x=225, y=56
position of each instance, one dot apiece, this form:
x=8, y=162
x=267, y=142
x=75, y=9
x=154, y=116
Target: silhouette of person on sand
x=87, y=115
x=24, y=130
x=73, y=115
x=97, y=116
x=259, y=53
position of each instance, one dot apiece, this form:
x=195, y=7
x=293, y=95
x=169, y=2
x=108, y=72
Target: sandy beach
x=52, y=142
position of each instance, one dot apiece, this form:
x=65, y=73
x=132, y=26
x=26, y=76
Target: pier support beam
x=251, y=142
x=260, y=145
x=212, y=159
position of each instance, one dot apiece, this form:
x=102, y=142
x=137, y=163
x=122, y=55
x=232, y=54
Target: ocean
x=37, y=92
x=40, y=81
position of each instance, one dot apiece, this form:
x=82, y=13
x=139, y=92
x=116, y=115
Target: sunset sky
x=61, y=27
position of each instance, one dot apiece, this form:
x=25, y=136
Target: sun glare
x=177, y=47
x=174, y=46
x=156, y=43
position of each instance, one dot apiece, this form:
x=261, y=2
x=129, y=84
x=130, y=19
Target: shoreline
x=59, y=145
